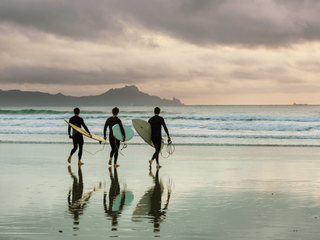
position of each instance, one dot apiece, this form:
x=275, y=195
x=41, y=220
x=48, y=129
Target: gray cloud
x=47, y=75
x=309, y=66
x=272, y=23
x=276, y=76
x=73, y=19
x=246, y=23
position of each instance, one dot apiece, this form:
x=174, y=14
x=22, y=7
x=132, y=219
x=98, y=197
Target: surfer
x=77, y=137
x=156, y=122
x=114, y=143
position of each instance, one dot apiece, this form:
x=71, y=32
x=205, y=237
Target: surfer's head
x=76, y=111
x=157, y=110
x=115, y=111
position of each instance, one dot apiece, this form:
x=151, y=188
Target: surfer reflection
x=151, y=205
x=75, y=200
x=114, y=209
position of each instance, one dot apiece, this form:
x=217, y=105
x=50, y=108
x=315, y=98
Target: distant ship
x=300, y=104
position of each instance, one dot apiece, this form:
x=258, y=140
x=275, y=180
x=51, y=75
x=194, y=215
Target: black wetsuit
x=76, y=136
x=115, y=143
x=156, y=122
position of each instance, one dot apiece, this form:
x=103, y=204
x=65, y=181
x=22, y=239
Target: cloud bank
x=180, y=48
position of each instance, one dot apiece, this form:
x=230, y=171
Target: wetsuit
x=114, y=143
x=77, y=137
x=156, y=122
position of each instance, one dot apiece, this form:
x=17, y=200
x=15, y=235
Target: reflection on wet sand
x=150, y=205
x=77, y=202
x=117, y=199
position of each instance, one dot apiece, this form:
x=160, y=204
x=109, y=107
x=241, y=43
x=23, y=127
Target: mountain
x=128, y=95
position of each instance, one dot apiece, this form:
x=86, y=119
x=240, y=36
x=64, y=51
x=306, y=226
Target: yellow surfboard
x=83, y=132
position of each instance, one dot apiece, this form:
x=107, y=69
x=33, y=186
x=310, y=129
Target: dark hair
x=115, y=111
x=76, y=111
x=156, y=110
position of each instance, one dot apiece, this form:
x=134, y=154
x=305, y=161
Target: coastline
x=175, y=144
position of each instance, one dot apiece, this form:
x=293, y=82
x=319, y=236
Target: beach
x=207, y=192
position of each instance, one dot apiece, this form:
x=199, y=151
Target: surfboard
x=117, y=201
x=117, y=132
x=143, y=128
x=143, y=207
x=84, y=132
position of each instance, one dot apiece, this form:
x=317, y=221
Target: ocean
x=295, y=125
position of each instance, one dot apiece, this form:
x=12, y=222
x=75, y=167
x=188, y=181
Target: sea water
x=296, y=125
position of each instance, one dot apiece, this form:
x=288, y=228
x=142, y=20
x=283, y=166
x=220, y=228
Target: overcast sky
x=199, y=51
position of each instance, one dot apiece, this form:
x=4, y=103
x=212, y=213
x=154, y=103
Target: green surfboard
x=117, y=132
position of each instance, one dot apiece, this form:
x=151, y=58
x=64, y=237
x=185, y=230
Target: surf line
x=124, y=146
x=104, y=144
x=97, y=150
x=118, y=135
x=170, y=149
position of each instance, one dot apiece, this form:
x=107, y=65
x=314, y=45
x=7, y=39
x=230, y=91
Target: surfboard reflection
x=117, y=199
x=77, y=201
x=150, y=205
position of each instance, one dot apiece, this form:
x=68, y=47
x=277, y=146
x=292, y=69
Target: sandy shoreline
x=219, y=192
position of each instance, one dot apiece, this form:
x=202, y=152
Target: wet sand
x=205, y=193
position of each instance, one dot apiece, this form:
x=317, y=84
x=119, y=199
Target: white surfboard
x=143, y=128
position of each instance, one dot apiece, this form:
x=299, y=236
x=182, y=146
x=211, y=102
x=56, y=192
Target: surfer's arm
x=105, y=130
x=86, y=128
x=122, y=130
x=69, y=131
x=165, y=129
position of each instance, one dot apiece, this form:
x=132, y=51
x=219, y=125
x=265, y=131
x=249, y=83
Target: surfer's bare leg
x=116, y=165
x=69, y=159
x=110, y=161
x=80, y=163
x=150, y=163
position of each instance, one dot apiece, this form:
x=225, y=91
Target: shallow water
x=223, y=193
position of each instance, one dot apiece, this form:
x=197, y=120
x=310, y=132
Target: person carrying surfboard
x=114, y=143
x=156, y=122
x=77, y=137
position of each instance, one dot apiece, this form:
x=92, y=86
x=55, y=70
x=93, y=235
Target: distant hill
x=126, y=96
